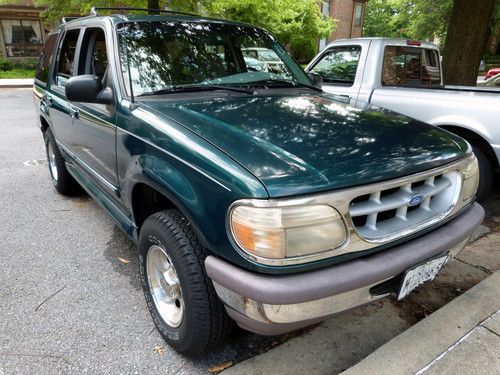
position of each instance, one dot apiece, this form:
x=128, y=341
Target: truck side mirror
x=316, y=79
x=88, y=89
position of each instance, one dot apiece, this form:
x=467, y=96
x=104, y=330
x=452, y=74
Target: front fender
x=168, y=181
x=464, y=122
x=202, y=199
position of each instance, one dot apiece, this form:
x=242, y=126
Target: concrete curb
x=16, y=83
x=429, y=339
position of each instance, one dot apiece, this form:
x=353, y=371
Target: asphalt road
x=70, y=298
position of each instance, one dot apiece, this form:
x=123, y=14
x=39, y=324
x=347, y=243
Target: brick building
x=350, y=15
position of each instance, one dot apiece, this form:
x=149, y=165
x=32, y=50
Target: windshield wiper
x=194, y=88
x=287, y=83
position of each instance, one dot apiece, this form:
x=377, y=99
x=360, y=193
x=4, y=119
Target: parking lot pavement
x=70, y=299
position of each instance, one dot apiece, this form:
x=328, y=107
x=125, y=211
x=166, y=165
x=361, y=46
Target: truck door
x=56, y=106
x=93, y=130
x=338, y=66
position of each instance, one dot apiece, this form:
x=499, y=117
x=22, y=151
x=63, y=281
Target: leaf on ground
x=159, y=349
x=123, y=260
x=220, y=367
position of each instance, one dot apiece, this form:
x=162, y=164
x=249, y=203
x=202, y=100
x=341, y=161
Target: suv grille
x=385, y=214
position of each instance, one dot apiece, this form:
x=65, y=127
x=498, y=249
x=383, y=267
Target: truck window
x=405, y=66
x=339, y=65
x=93, y=56
x=65, y=62
x=160, y=56
x=42, y=71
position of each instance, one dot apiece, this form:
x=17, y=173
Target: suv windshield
x=167, y=55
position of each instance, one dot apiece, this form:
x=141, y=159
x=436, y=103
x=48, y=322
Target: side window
x=405, y=66
x=432, y=66
x=42, y=71
x=93, y=54
x=339, y=65
x=65, y=62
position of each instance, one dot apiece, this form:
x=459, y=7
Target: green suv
x=253, y=196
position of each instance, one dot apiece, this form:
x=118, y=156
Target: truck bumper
x=270, y=304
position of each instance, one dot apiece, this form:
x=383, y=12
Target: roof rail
x=122, y=10
x=67, y=19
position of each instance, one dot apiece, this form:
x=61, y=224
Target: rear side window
x=404, y=66
x=65, y=63
x=46, y=57
x=339, y=65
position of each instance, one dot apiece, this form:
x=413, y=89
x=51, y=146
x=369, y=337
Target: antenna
x=133, y=105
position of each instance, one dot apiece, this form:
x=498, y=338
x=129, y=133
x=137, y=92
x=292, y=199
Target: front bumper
x=269, y=304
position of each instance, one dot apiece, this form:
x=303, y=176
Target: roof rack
x=122, y=10
x=67, y=19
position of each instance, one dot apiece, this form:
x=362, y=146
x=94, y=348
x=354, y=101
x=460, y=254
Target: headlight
x=470, y=176
x=287, y=232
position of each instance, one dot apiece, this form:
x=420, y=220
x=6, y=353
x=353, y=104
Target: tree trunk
x=466, y=40
x=153, y=4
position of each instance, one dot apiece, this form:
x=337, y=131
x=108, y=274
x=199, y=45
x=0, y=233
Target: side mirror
x=88, y=89
x=316, y=79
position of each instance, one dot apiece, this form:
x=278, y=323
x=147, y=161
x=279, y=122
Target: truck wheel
x=180, y=296
x=485, y=174
x=62, y=180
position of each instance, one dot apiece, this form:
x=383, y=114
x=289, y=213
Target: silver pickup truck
x=404, y=76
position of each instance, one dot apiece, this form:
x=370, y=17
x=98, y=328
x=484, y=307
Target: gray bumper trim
x=344, y=277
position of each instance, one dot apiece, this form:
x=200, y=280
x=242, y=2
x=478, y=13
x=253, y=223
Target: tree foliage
x=296, y=23
x=414, y=19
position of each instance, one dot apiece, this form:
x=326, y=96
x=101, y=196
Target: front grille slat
x=386, y=212
x=398, y=199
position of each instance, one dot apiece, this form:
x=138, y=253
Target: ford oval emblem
x=416, y=200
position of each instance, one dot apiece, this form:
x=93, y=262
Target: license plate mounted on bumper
x=419, y=274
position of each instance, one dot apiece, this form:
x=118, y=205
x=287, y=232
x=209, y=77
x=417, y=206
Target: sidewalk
x=461, y=337
x=16, y=83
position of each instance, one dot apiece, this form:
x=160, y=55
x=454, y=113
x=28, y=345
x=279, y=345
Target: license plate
x=420, y=274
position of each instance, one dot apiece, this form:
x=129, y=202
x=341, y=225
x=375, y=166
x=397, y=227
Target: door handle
x=74, y=113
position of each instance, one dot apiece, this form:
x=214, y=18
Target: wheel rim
x=164, y=286
x=52, y=161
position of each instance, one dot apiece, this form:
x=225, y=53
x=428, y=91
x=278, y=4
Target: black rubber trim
x=344, y=277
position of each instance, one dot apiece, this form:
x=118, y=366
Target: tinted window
x=164, y=55
x=93, y=58
x=405, y=66
x=65, y=63
x=46, y=57
x=338, y=65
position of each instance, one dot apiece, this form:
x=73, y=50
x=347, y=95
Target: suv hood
x=307, y=143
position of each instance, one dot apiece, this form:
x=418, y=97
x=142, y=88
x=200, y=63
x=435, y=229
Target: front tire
x=485, y=174
x=180, y=296
x=62, y=180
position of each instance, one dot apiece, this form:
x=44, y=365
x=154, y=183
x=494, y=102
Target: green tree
x=56, y=9
x=414, y=19
x=379, y=18
x=297, y=24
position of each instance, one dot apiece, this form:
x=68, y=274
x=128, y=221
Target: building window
x=22, y=37
x=325, y=8
x=358, y=14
